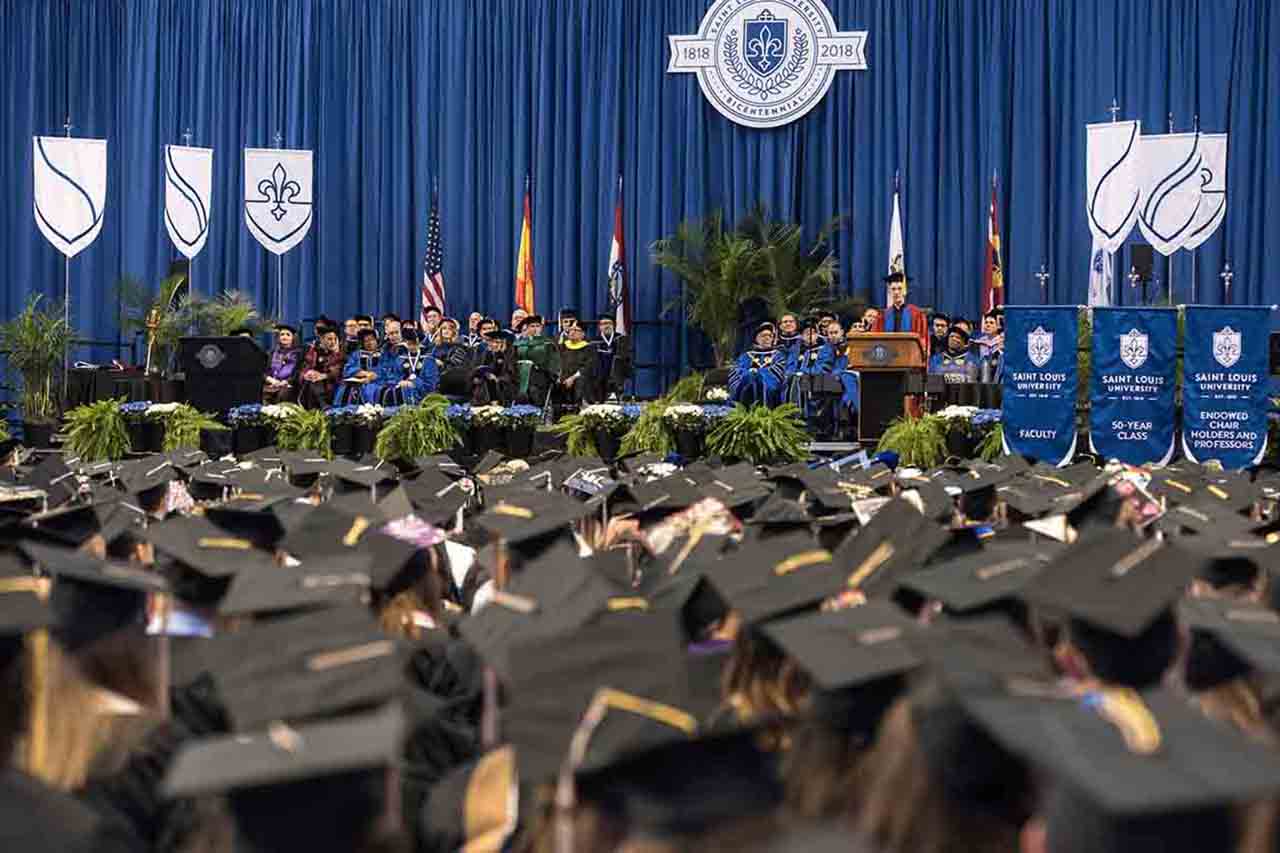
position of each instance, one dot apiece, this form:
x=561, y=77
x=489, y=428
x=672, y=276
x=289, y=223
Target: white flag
x=1100, y=276
x=70, y=190
x=1169, y=179
x=277, y=196
x=1111, y=181
x=897, y=261
x=188, y=196
x=1212, y=179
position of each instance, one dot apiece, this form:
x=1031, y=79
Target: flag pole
x=279, y=139
x=1174, y=253
x=191, y=262
x=66, y=297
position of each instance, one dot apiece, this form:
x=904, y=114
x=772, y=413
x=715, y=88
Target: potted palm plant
x=35, y=343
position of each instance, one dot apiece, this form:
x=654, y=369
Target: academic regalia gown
x=757, y=377
x=317, y=395
x=36, y=817
x=418, y=367
x=851, y=379
x=955, y=367
x=370, y=391
x=493, y=380
x=580, y=359
x=908, y=319
x=285, y=364
x=807, y=361
x=537, y=366
x=450, y=356
x=615, y=361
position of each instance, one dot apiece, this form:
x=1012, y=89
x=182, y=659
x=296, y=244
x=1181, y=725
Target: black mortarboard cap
x=200, y=545
x=632, y=667
x=318, y=584
x=313, y=665
x=531, y=516
x=326, y=530
x=845, y=648
x=70, y=524
x=280, y=754
x=143, y=475
x=896, y=539
x=262, y=528
x=978, y=580
x=362, y=476
x=55, y=478
x=1248, y=632
x=92, y=598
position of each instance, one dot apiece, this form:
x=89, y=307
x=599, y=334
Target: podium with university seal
x=222, y=373
x=892, y=367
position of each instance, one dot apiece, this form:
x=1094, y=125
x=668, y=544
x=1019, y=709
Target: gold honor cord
x=802, y=560
x=1124, y=709
x=881, y=555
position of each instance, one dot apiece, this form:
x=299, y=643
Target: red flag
x=993, y=279
x=618, y=297
x=524, y=260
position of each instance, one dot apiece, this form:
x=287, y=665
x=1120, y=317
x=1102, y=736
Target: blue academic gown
x=851, y=379
x=807, y=361
x=757, y=377
x=960, y=367
x=369, y=392
x=419, y=368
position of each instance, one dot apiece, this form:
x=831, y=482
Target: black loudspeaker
x=1142, y=257
x=1275, y=353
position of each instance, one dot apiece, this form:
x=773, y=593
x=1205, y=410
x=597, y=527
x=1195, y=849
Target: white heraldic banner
x=1112, y=181
x=277, y=196
x=70, y=190
x=188, y=196
x=1184, y=189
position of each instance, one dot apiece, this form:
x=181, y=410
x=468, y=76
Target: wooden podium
x=887, y=362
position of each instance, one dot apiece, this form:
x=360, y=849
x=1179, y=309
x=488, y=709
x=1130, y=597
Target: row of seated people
x=488, y=364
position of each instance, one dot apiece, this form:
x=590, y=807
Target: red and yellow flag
x=524, y=260
x=993, y=279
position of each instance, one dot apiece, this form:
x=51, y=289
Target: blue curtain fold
x=397, y=97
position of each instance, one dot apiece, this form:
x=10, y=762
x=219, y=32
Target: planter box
x=153, y=436
x=362, y=439
x=520, y=442
x=340, y=438
x=607, y=444
x=487, y=437
x=247, y=439
x=38, y=434
x=137, y=436
x=690, y=444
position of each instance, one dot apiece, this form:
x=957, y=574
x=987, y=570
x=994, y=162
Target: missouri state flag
x=618, y=272
x=993, y=278
x=524, y=258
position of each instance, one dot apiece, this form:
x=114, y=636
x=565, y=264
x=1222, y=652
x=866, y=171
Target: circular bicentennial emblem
x=765, y=63
x=210, y=356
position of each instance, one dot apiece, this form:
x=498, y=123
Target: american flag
x=433, y=264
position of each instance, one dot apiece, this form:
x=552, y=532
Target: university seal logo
x=1039, y=346
x=1226, y=346
x=765, y=63
x=1134, y=348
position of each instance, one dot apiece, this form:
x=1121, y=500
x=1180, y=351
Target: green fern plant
x=34, y=343
x=96, y=431
x=649, y=434
x=305, y=429
x=919, y=442
x=421, y=430
x=182, y=427
x=579, y=436
x=761, y=434
x=227, y=312
x=992, y=445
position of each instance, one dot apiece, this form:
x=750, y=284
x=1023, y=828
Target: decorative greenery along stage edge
x=35, y=343
x=761, y=434
x=305, y=429
x=919, y=442
x=649, y=434
x=182, y=425
x=97, y=431
x=421, y=430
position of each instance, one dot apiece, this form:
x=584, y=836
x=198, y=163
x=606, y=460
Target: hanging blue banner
x=1134, y=371
x=1040, y=382
x=1225, y=362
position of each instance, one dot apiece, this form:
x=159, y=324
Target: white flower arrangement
x=280, y=411
x=491, y=415
x=958, y=412
x=160, y=409
x=717, y=395
x=370, y=413
x=684, y=416
x=608, y=416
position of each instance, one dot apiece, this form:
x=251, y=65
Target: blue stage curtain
x=395, y=95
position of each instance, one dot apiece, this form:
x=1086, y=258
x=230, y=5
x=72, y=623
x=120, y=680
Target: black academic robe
x=493, y=380
x=582, y=361
x=36, y=817
x=615, y=364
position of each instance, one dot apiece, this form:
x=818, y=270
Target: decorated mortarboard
x=626, y=678
x=278, y=754
x=979, y=580
x=318, y=584
x=92, y=598
x=897, y=539
x=313, y=665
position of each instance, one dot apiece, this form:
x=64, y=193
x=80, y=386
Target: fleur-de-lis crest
x=280, y=189
x=765, y=50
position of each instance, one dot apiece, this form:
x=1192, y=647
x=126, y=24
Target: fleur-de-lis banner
x=70, y=190
x=188, y=196
x=1111, y=190
x=1132, y=384
x=277, y=196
